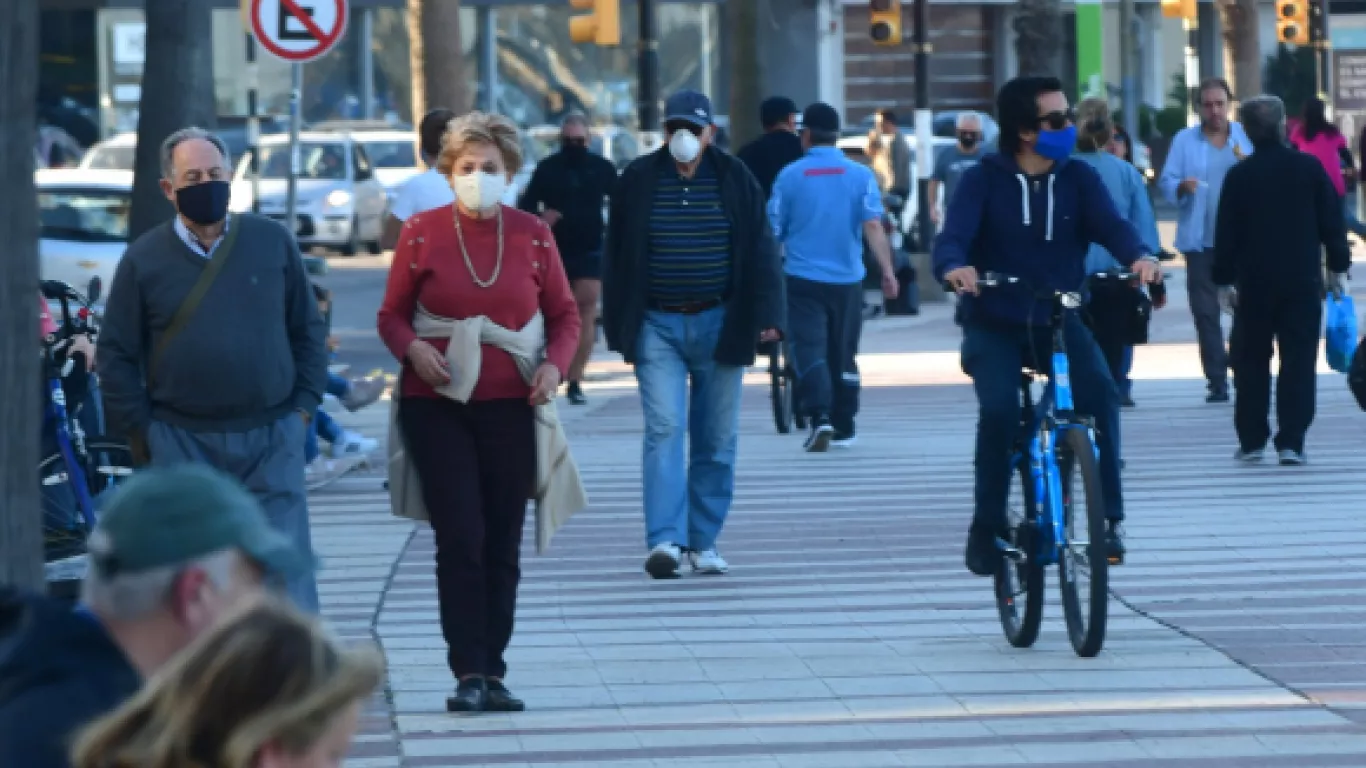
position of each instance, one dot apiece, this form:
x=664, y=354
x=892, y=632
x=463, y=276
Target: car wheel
x=373, y=247
x=350, y=247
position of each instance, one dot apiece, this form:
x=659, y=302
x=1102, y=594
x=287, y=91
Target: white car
x=340, y=203
x=393, y=154
x=83, y=220
x=113, y=154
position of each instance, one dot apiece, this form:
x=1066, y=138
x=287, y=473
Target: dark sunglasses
x=672, y=128
x=1056, y=121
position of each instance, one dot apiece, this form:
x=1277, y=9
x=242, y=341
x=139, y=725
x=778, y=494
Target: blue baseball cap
x=689, y=107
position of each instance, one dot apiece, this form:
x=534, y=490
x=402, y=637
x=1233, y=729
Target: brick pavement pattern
x=848, y=632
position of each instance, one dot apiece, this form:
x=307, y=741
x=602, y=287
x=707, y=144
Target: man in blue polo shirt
x=822, y=208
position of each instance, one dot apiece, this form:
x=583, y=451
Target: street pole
x=253, y=126
x=488, y=57
x=1192, y=69
x=295, y=161
x=924, y=120
x=1323, y=49
x=647, y=89
x=1128, y=66
x=367, y=62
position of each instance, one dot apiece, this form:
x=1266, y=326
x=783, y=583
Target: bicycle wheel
x=108, y=463
x=1021, y=580
x=780, y=391
x=64, y=527
x=1083, y=567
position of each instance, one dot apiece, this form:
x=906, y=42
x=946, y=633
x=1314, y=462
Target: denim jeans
x=1349, y=215
x=993, y=356
x=687, y=494
x=323, y=425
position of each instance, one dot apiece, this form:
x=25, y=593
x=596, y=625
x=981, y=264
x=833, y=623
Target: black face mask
x=204, y=203
x=968, y=140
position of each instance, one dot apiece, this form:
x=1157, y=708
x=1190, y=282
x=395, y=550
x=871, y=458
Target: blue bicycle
x=79, y=468
x=1055, y=459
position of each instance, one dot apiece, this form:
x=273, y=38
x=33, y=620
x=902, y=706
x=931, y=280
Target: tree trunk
x=1242, y=47
x=437, y=57
x=177, y=92
x=1039, y=37
x=21, y=535
x=746, y=70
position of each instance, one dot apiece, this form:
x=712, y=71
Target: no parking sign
x=298, y=30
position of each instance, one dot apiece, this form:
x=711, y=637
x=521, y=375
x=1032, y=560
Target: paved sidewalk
x=848, y=633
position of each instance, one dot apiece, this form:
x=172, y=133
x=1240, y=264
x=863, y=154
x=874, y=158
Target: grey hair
x=127, y=597
x=966, y=117
x=186, y=134
x=1263, y=119
x=574, y=118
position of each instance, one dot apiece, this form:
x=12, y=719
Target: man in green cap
x=174, y=549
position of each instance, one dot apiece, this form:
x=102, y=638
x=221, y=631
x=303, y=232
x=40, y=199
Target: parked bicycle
x=1055, y=459
x=75, y=475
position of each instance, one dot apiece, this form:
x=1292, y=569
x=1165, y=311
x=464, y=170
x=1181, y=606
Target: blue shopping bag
x=1340, y=332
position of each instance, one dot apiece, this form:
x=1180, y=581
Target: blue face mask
x=1057, y=145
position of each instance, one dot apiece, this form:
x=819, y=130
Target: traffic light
x=885, y=16
x=601, y=27
x=1292, y=22
x=1179, y=9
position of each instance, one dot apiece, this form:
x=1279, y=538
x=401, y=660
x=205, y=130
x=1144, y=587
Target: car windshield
x=391, y=154
x=86, y=215
x=108, y=158
x=318, y=161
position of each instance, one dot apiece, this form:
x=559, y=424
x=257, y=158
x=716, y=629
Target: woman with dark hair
x=1121, y=145
x=1317, y=136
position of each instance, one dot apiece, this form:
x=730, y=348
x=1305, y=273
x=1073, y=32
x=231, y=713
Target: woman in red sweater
x=476, y=459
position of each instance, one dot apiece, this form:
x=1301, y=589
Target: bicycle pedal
x=1010, y=552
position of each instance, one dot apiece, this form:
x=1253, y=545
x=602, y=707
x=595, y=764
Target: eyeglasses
x=1056, y=121
x=672, y=128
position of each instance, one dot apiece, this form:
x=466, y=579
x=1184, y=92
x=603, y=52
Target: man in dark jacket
x=568, y=190
x=175, y=549
x=1278, y=213
x=691, y=283
x=212, y=348
x=779, y=146
x=1031, y=213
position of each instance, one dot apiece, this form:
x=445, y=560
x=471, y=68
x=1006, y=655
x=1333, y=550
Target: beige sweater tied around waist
x=559, y=492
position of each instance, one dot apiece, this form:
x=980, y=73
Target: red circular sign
x=314, y=37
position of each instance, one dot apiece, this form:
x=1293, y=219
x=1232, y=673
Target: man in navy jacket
x=1029, y=212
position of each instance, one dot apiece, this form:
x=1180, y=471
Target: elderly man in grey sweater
x=212, y=348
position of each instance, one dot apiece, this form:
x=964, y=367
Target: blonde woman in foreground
x=266, y=689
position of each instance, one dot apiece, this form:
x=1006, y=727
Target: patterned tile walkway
x=848, y=633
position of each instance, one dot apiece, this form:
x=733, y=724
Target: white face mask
x=479, y=191
x=684, y=146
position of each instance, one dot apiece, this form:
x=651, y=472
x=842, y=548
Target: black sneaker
x=500, y=699
x=1218, y=393
x=1114, y=543
x=471, y=695
x=818, y=441
x=574, y=394
x=1126, y=401
x=982, y=557
x=843, y=439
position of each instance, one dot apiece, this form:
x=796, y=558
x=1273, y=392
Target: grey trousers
x=1204, y=302
x=269, y=461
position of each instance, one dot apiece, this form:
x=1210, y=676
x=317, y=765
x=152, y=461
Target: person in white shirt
x=426, y=190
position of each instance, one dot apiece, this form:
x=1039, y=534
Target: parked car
x=393, y=152
x=83, y=224
x=341, y=204
x=113, y=154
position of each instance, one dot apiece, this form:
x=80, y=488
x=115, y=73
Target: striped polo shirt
x=689, y=237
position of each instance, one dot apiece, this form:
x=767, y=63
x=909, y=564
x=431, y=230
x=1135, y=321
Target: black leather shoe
x=983, y=557
x=472, y=695
x=500, y=699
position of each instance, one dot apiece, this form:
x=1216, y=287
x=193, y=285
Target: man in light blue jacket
x=1193, y=177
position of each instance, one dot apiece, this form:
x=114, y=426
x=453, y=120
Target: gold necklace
x=497, y=266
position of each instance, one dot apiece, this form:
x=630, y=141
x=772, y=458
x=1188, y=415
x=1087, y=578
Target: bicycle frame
x=69, y=441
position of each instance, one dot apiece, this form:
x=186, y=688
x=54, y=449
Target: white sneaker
x=320, y=470
x=663, y=561
x=708, y=562
x=353, y=444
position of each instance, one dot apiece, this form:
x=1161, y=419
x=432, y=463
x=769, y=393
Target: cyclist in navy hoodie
x=1029, y=212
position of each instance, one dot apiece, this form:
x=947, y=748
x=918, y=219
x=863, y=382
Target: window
x=364, y=171
x=107, y=158
x=318, y=161
x=391, y=154
x=84, y=215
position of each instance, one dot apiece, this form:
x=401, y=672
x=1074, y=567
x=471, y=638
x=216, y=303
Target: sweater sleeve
x=395, y=319
x=307, y=332
x=122, y=352
x=558, y=307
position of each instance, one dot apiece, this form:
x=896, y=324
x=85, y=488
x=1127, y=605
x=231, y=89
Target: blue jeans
x=687, y=495
x=323, y=425
x=993, y=356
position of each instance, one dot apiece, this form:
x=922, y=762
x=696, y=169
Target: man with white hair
x=212, y=348
x=174, y=550
x=953, y=162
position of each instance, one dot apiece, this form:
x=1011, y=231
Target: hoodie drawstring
x=1048, y=225
x=1024, y=196
x=1024, y=203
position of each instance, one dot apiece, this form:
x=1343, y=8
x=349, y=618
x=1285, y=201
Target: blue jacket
x=1038, y=229
x=1130, y=197
x=817, y=210
x=1187, y=159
